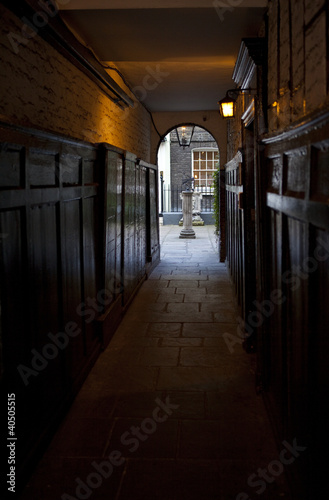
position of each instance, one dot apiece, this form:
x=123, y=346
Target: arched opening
x=189, y=166
x=193, y=165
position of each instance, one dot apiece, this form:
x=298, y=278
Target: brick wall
x=297, y=75
x=181, y=158
x=209, y=120
x=42, y=89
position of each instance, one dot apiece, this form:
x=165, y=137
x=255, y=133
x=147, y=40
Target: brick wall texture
x=40, y=88
x=297, y=59
x=297, y=66
x=181, y=158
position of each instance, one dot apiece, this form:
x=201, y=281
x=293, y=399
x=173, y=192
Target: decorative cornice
x=232, y=164
x=249, y=115
x=251, y=55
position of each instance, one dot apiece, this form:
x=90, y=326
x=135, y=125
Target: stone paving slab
x=166, y=330
x=159, y=356
x=181, y=342
x=200, y=290
x=208, y=330
x=156, y=441
x=196, y=378
x=170, y=393
x=175, y=297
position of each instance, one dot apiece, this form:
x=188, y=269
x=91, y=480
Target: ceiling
x=178, y=55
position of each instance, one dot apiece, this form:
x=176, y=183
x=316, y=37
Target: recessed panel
x=89, y=171
x=10, y=168
x=42, y=169
x=275, y=174
x=296, y=172
x=70, y=170
x=320, y=174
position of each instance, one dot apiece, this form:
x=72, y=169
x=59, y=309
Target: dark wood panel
x=297, y=250
x=113, y=214
x=48, y=262
x=154, y=220
x=275, y=169
x=295, y=325
x=42, y=168
x=18, y=198
x=319, y=348
x=73, y=304
x=239, y=203
x=295, y=173
x=310, y=211
x=70, y=173
x=76, y=224
x=15, y=294
x=319, y=172
x=12, y=166
x=129, y=230
x=91, y=288
x=43, y=273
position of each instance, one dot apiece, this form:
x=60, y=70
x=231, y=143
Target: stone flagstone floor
x=168, y=412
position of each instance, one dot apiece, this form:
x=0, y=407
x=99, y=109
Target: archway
x=194, y=166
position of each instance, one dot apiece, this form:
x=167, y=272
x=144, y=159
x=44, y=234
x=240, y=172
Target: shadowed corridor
x=163, y=415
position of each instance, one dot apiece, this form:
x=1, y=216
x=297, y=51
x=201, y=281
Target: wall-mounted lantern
x=227, y=105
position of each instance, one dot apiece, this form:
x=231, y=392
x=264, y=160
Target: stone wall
x=42, y=89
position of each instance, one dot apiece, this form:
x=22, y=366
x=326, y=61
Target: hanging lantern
x=184, y=135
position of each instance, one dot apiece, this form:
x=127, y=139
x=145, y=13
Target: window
x=204, y=164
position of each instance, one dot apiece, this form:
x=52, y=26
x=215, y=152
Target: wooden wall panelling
x=90, y=220
x=143, y=221
x=78, y=234
x=129, y=261
x=75, y=220
x=140, y=221
x=48, y=261
x=297, y=251
x=318, y=353
x=235, y=234
x=248, y=212
x=111, y=279
x=222, y=200
x=154, y=219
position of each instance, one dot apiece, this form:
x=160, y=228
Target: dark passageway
x=177, y=349
x=126, y=376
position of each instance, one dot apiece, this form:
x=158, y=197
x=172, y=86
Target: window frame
x=206, y=188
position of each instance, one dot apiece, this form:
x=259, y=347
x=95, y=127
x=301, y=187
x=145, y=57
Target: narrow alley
x=163, y=415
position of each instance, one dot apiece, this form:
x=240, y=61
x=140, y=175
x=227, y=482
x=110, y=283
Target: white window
x=204, y=163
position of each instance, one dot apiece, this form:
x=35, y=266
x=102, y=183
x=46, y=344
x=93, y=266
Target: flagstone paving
x=169, y=411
